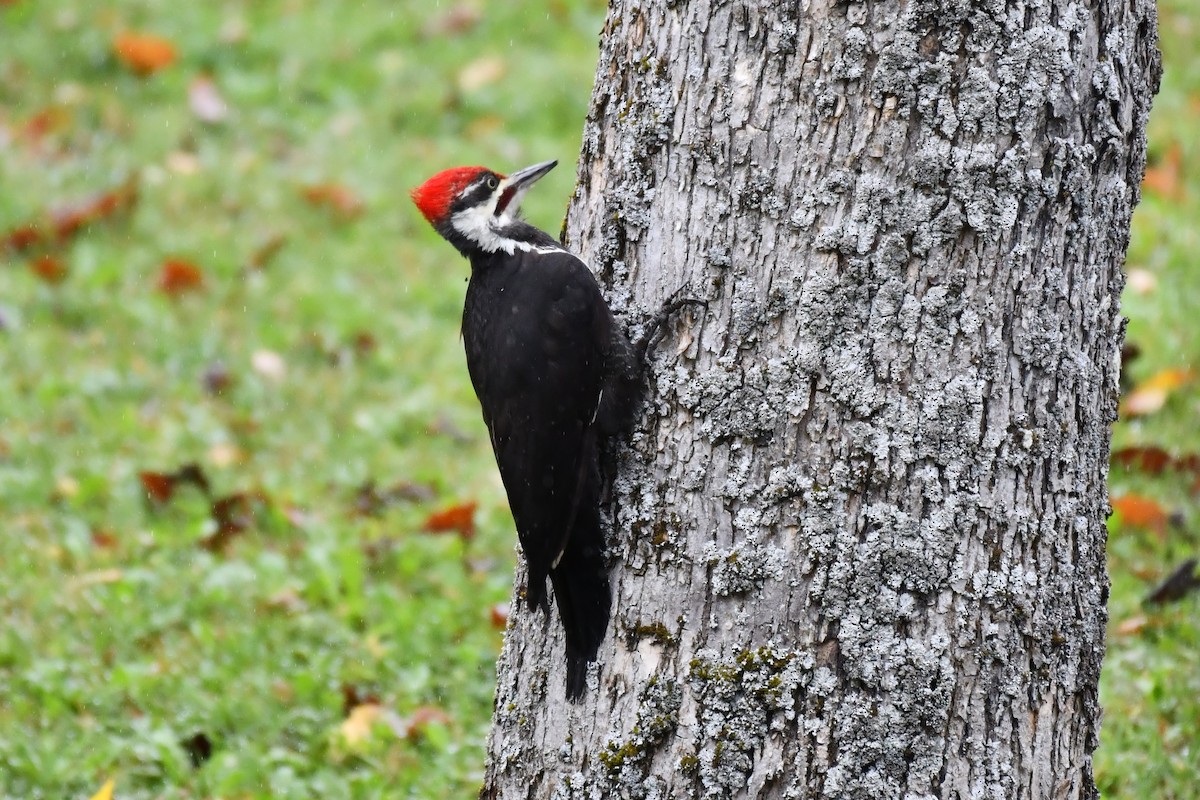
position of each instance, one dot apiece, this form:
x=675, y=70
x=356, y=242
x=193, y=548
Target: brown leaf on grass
x=216, y=379
x=206, y=101
x=1179, y=584
x=104, y=540
x=70, y=218
x=50, y=269
x=335, y=197
x=177, y=276
x=160, y=486
x=499, y=616
x=1138, y=511
x=458, y=519
x=353, y=696
x=22, y=237
x=370, y=500
x=1151, y=395
x=233, y=515
x=1162, y=176
x=1149, y=459
x=144, y=53
x=265, y=252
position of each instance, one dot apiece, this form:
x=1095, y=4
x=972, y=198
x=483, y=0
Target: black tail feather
x=584, y=600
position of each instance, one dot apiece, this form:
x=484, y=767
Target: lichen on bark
x=857, y=539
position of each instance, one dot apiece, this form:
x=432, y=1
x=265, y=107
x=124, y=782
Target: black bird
x=554, y=375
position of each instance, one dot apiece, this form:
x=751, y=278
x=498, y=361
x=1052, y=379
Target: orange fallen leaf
x=335, y=197
x=144, y=53
x=50, y=269
x=177, y=276
x=458, y=519
x=1151, y=395
x=1140, y=512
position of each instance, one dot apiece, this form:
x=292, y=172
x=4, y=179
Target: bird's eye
x=492, y=183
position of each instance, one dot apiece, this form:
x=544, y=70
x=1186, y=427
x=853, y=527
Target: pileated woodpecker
x=554, y=375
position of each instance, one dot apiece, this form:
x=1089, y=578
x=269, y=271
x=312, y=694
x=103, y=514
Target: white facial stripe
x=481, y=225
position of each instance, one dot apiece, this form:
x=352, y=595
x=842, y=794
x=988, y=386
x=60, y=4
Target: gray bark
x=858, y=539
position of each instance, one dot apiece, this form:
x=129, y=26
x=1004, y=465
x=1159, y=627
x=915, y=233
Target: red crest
x=433, y=197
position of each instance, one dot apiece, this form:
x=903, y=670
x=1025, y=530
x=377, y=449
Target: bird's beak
x=516, y=184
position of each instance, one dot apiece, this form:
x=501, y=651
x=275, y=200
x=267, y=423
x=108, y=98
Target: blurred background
x=252, y=542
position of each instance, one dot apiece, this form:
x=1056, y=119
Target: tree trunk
x=858, y=539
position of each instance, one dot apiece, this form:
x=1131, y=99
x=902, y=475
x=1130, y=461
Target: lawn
x=253, y=542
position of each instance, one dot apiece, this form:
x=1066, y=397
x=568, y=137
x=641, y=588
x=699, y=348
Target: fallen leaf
x=1138, y=511
x=1142, y=281
x=459, y=19
x=269, y=364
x=499, y=616
x=159, y=486
x=104, y=540
x=481, y=72
x=50, y=269
x=112, y=575
x=144, y=53
x=106, y=791
x=216, y=379
x=458, y=519
x=1162, y=177
x=1132, y=625
x=421, y=718
x=198, y=748
x=224, y=454
x=206, y=101
x=352, y=696
x=182, y=162
x=233, y=515
x=176, y=276
x=1181, y=582
x=22, y=237
x=266, y=251
x=1151, y=395
x=288, y=601
x=356, y=728
x=1151, y=460
x=335, y=197
x=71, y=218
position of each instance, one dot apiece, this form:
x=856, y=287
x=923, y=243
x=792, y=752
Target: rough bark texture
x=858, y=541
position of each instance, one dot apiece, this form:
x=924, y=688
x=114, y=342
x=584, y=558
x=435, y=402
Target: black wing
x=540, y=330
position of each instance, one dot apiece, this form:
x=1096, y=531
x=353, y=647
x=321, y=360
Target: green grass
x=1150, y=688
x=120, y=636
